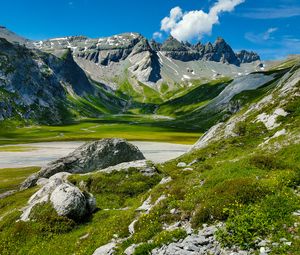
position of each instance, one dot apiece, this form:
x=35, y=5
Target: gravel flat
x=39, y=154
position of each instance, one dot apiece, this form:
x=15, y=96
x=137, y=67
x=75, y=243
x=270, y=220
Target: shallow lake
x=39, y=154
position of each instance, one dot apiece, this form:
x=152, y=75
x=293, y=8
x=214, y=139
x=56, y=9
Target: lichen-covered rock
x=89, y=157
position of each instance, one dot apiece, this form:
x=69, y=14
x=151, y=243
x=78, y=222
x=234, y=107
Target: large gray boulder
x=89, y=157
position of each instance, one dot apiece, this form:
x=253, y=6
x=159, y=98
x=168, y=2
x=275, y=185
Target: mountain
x=63, y=79
x=130, y=56
x=41, y=87
x=11, y=36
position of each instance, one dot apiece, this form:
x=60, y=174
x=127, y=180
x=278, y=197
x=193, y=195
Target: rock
x=147, y=206
x=89, y=157
x=270, y=120
x=203, y=243
x=42, y=181
x=84, y=236
x=66, y=199
x=188, y=169
x=174, y=211
x=131, y=227
x=69, y=201
x=131, y=249
x=7, y=193
x=208, y=136
x=181, y=164
x=262, y=243
x=297, y=213
x=165, y=180
x=107, y=249
x=146, y=167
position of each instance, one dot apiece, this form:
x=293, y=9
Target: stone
x=131, y=227
x=131, y=249
x=66, y=199
x=146, y=167
x=165, y=180
x=69, y=201
x=107, y=249
x=147, y=206
x=181, y=164
x=89, y=157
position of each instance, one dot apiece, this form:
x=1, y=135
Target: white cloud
x=169, y=23
x=272, y=13
x=269, y=32
x=261, y=38
x=195, y=24
x=157, y=35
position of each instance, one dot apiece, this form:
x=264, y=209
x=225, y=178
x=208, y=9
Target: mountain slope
x=37, y=86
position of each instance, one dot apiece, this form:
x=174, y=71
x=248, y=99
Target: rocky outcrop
x=201, y=243
x=145, y=167
x=66, y=199
x=89, y=157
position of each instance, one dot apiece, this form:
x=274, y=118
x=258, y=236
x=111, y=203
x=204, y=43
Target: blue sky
x=270, y=27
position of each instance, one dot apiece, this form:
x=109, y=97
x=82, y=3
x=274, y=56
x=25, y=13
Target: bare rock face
x=89, y=157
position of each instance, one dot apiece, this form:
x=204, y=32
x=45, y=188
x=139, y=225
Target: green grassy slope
x=192, y=99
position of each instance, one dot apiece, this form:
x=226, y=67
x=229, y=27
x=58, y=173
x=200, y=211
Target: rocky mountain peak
x=220, y=40
x=247, y=57
x=224, y=53
x=172, y=44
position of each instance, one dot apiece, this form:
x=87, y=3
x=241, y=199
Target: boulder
x=89, y=157
x=66, y=199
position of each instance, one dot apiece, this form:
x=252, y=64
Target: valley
x=124, y=145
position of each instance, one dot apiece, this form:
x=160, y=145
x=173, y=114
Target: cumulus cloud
x=195, y=24
x=168, y=23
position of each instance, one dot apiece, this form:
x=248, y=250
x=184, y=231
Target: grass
x=49, y=230
x=10, y=178
x=232, y=180
x=193, y=99
x=97, y=129
x=16, y=148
